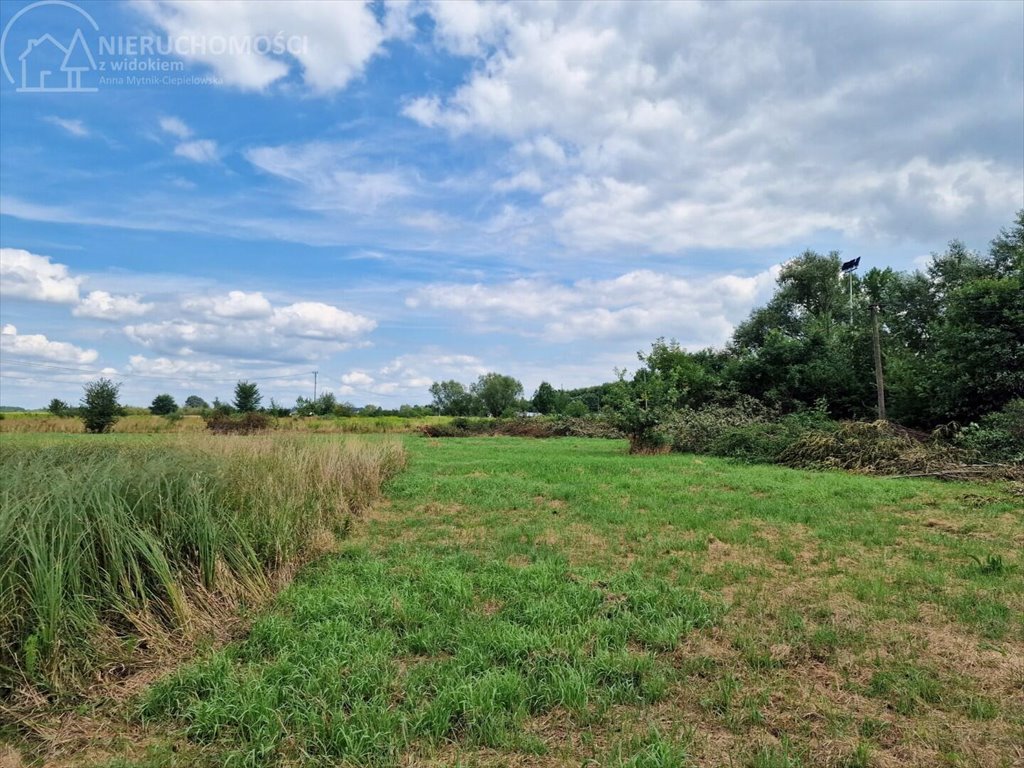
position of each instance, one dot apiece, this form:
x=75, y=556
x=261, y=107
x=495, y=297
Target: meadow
x=528, y=602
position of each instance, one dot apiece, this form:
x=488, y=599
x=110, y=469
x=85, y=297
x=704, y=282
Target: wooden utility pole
x=314, y=385
x=879, y=380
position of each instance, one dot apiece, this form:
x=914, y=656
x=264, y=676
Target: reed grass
x=109, y=543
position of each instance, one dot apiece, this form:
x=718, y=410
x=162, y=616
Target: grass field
x=559, y=603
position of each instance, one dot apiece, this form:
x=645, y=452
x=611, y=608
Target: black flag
x=849, y=266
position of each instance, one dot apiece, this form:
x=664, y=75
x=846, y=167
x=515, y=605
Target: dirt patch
x=555, y=505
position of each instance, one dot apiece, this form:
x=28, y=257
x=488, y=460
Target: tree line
x=951, y=338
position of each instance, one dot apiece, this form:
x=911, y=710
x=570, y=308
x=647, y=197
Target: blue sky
x=395, y=193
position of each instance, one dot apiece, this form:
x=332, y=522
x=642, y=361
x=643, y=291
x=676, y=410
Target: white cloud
x=357, y=379
x=71, y=126
x=234, y=304
x=670, y=126
x=315, y=320
x=328, y=42
x=105, y=306
x=198, y=151
x=529, y=181
x=175, y=126
x=36, y=345
x=328, y=175
x=410, y=376
x=247, y=326
x=162, y=366
x=27, y=275
x=634, y=305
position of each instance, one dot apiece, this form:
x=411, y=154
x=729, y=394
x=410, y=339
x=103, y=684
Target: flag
x=849, y=266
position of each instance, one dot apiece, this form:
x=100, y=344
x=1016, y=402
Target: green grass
x=560, y=603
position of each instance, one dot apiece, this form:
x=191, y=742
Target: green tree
x=1008, y=249
x=545, y=399
x=499, y=393
x=195, y=401
x=163, y=405
x=247, y=397
x=100, y=407
x=58, y=407
x=575, y=408
x=452, y=399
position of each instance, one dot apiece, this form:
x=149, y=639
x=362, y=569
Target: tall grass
x=35, y=422
x=109, y=543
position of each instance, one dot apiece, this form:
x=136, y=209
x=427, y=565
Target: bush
x=163, y=405
x=696, y=431
x=998, y=436
x=242, y=424
x=100, y=409
x=59, y=408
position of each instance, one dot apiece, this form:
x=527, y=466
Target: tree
x=545, y=399
x=247, y=396
x=58, y=407
x=452, y=399
x=498, y=393
x=100, y=407
x=163, y=405
x=195, y=401
x=1008, y=249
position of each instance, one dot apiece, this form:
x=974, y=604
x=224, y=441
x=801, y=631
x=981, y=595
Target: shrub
x=696, y=431
x=163, y=405
x=100, y=409
x=998, y=436
x=241, y=424
x=59, y=408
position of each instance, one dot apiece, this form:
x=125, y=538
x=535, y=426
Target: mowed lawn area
x=560, y=603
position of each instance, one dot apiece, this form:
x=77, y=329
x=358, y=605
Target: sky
x=395, y=193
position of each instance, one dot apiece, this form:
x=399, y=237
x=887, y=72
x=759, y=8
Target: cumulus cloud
x=36, y=345
x=635, y=304
x=247, y=326
x=26, y=275
x=105, y=306
x=687, y=125
x=328, y=42
x=315, y=320
x=233, y=304
x=411, y=375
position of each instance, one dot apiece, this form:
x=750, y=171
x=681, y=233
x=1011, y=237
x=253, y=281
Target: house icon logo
x=47, y=64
